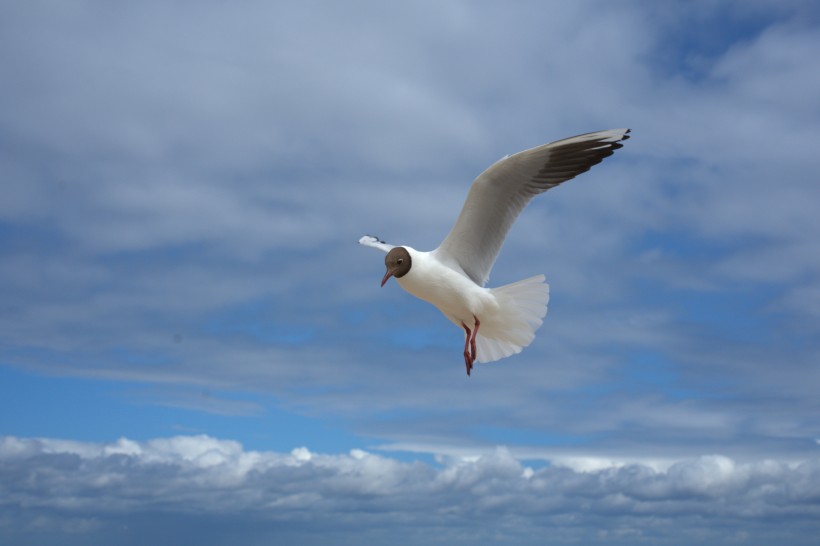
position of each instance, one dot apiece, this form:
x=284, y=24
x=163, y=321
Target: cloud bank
x=85, y=489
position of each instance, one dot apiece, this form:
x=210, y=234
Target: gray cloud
x=93, y=488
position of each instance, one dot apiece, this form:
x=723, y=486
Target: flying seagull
x=497, y=322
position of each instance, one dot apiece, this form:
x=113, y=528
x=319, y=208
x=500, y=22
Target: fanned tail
x=523, y=306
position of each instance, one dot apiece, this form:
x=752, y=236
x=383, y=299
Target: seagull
x=497, y=322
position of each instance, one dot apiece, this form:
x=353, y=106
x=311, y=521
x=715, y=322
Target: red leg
x=472, y=339
x=468, y=358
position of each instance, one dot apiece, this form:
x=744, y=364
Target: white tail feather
x=523, y=306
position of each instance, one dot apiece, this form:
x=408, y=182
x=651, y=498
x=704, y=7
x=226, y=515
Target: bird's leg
x=468, y=358
x=472, y=339
x=469, y=344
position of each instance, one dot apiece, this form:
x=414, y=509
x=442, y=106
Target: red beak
x=387, y=276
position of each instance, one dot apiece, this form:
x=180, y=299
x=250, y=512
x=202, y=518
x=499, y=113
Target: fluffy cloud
x=63, y=483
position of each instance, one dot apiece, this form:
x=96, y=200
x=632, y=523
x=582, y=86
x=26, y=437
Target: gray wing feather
x=501, y=192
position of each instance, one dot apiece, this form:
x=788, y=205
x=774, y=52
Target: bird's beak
x=387, y=276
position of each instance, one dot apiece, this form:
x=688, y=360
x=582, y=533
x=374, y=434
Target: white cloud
x=105, y=484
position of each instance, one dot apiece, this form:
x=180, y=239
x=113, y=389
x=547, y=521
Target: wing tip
x=375, y=242
x=369, y=240
x=608, y=137
x=618, y=138
x=614, y=135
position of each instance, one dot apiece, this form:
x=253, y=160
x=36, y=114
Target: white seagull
x=452, y=277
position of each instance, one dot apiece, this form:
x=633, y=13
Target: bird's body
x=497, y=322
x=453, y=292
x=509, y=314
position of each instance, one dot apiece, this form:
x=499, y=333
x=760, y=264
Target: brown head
x=397, y=262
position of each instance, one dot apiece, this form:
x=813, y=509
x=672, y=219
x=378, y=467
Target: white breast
x=455, y=294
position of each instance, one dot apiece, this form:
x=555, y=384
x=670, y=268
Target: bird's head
x=398, y=263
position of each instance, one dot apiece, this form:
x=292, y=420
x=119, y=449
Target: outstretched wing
x=500, y=193
x=375, y=242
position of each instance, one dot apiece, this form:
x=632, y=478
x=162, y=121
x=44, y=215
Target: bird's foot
x=468, y=362
x=469, y=348
x=472, y=338
x=469, y=344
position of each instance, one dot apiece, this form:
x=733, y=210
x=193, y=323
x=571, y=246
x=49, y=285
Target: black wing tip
x=625, y=135
x=579, y=157
x=618, y=144
x=613, y=145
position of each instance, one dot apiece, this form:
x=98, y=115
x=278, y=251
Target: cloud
x=203, y=478
x=183, y=189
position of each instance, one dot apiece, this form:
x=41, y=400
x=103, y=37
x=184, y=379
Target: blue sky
x=194, y=348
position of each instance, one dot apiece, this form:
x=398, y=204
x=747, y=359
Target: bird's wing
x=375, y=242
x=502, y=191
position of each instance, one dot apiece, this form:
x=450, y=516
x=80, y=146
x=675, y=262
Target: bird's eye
x=400, y=261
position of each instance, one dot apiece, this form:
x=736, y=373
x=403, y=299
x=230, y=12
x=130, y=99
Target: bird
x=502, y=321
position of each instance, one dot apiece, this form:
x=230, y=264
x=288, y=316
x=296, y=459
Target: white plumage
x=452, y=277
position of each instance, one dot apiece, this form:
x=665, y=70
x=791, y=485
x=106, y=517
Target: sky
x=195, y=349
